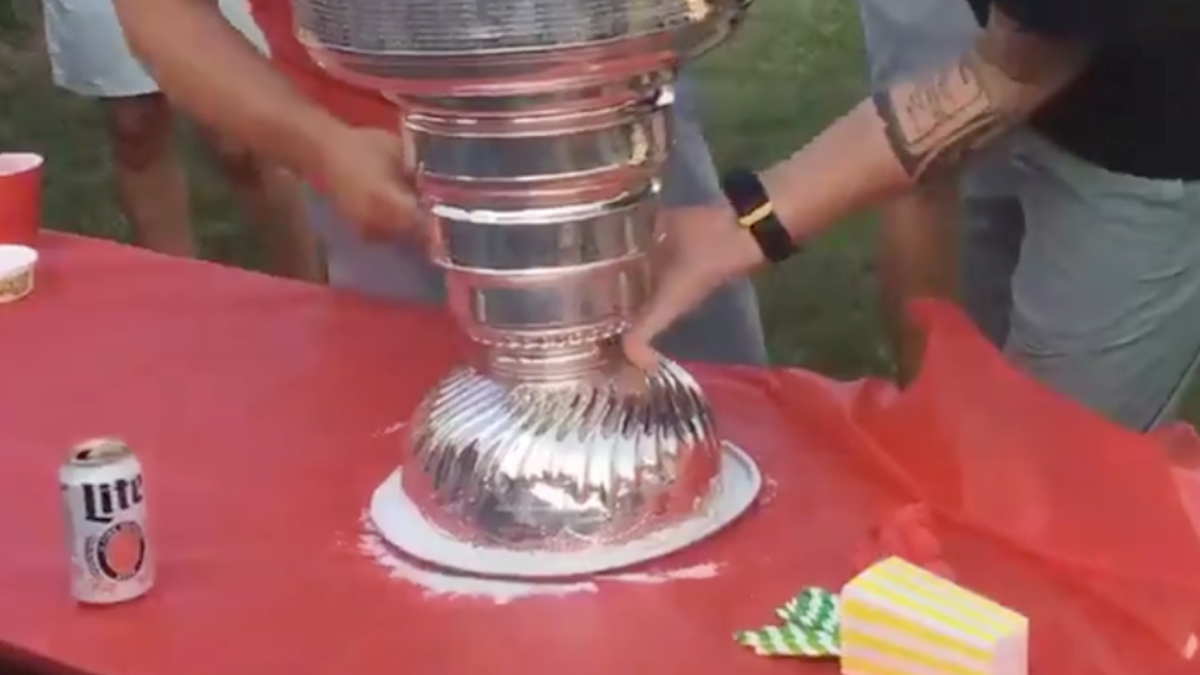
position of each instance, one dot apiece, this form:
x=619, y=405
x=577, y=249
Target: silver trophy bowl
x=537, y=130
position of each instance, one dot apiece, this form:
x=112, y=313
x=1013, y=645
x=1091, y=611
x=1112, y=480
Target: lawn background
x=794, y=66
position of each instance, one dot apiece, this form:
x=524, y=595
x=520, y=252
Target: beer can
x=102, y=490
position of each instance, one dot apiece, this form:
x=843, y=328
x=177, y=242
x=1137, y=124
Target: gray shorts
x=1089, y=280
x=725, y=329
x=1106, y=292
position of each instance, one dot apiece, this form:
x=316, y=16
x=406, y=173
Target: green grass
x=795, y=65
x=68, y=130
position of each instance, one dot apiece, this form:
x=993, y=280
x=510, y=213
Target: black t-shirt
x=1136, y=110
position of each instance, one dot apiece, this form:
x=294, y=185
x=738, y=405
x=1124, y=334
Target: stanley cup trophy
x=537, y=130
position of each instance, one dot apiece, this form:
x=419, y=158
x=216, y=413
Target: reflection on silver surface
x=394, y=516
x=580, y=462
x=537, y=130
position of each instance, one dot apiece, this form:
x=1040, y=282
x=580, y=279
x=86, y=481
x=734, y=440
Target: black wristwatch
x=755, y=212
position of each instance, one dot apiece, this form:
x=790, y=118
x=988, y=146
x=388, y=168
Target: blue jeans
x=725, y=329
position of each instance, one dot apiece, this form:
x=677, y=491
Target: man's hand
x=703, y=248
x=236, y=91
x=363, y=170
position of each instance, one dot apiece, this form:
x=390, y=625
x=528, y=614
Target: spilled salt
x=740, y=486
x=498, y=591
x=391, y=429
x=702, y=571
x=449, y=585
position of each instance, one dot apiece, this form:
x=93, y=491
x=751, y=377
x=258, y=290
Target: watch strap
x=756, y=213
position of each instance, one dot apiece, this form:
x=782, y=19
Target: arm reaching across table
x=207, y=68
x=900, y=137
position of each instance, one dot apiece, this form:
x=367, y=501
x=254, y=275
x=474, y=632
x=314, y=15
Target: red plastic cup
x=20, y=197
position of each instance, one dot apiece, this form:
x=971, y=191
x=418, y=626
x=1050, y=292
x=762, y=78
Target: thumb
x=636, y=345
x=682, y=286
x=391, y=212
x=403, y=164
x=403, y=207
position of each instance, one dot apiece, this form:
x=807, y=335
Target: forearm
x=921, y=130
x=847, y=168
x=211, y=71
x=916, y=256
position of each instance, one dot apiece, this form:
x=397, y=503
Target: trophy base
x=401, y=523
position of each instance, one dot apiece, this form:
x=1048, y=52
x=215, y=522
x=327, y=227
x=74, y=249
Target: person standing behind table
x=1106, y=294
x=961, y=235
x=344, y=136
x=89, y=57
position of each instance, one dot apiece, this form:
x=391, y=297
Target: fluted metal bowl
x=562, y=466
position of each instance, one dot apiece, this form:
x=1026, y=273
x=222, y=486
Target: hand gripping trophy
x=538, y=129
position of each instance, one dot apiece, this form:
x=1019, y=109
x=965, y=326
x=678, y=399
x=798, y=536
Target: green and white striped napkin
x=810, y=628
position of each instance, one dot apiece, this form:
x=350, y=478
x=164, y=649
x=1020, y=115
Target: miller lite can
x=102, y=490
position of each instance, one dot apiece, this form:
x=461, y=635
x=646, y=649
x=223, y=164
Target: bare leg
x=270, y=198
x=150, y=180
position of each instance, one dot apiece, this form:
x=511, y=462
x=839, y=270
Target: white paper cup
x=18, y=162
x=16, y=272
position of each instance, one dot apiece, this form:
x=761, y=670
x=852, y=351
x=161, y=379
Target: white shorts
x=89, y=55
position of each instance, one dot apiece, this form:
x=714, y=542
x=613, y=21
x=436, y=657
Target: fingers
x=636, y=345
x=400, y=206
x=394, y=208
x=366, y=175
x=402, y=210
x=393, y=212
x=393, y=147
x=681, y=288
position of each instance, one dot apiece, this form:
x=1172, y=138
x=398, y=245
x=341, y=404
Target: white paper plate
x=401, y=524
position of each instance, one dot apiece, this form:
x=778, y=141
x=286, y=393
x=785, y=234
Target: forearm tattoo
x=934, y=122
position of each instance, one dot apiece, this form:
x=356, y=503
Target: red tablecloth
x=260, y=408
